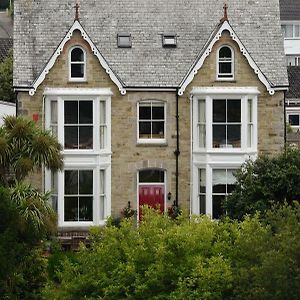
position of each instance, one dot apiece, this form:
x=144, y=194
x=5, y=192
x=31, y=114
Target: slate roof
x=5, y=45
x=294, y=79
x=40, y=26
x=289, y=10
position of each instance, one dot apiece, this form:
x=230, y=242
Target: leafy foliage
x=187, y=259
x=6, y=79
x=265, y=181
x=23, y=147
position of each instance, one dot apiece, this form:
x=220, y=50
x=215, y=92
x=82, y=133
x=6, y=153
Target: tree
x=24, y=147
x=6, y=79
x=265, y=181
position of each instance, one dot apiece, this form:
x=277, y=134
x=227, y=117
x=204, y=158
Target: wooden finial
x=225, y=17
x=76, y=11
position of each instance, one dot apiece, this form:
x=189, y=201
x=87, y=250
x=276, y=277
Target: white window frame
x=152, y=140
x=95, y=159
x=293, y=111
x=293, y=24
x=225, y=76
x=77, y=79
x=209, y=94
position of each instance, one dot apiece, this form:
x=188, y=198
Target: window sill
x=77, y=81
x=150, y=143
x=225, y=80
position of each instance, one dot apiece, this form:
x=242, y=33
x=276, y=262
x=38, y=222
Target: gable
x=225, y=26
x=58, y=51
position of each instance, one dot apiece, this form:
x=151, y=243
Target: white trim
x=194, y=70
x=150, y=89
x=70, y=62
x=76, y=26
x=77, y=91
x=225, y=90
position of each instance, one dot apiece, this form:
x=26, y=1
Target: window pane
x=102, y=136
x=71, y=137
x=219, y=136
x=86, y=112
x=102, y=112
x=234, y=135
x=144, y=112
x=102, y=182
x=71, y=208
x=233, y=110
x=145, y=129
x=219, y=181
x=289, y=31
x=85, y=182
x=218, y=210
x=202, y=204
x=53, y=112
x=77, y=70
x=201, y=111
x=77, y=55
x=250, y=117
x=86, y=137
x=85, y=208
x=225, y=68
x=158, y=130
x=294, y=120
x=71, y=182
x=71, y=112
x=202, y=136
x=219, y=110
x=297, y=33
x=225, y=52
x=249, y=135
x=102, y=199
x=202, y=180
x=151, y=176
x=158, y=113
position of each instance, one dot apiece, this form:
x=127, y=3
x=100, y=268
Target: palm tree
x=25, y=147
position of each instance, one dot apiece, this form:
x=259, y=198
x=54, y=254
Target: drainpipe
x=284, y=118
x=177, y=152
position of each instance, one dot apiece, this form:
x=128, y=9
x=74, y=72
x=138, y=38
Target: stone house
x=155, y=102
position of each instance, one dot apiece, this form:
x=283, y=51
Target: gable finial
x=225, y=17
x=76, y=11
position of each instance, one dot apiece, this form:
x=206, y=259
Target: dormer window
x=124, y=40
x=77, y=68
x=169, y=40
x=225, y=65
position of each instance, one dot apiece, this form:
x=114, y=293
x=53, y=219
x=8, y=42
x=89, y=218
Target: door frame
x=138, y=184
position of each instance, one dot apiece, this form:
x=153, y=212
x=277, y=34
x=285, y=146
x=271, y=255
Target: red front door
x=152, y=195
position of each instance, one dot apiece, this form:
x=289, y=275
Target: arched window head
x=225, y=68
x=77, y=62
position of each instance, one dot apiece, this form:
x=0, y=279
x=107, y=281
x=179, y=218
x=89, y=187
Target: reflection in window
x=201, y=123
x=77, y=64
x=78, y=116
x=151, y=176
x=202, y=191
x=223, y=184
x=78, y=195
x=227, y=123
x=151, y=119
x=102, y=194
x=225, y=63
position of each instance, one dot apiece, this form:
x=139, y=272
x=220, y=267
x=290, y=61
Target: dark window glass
x=225, y=68
x=86, y=182
x=77, y=70
x=145, y=129
x=86, y=137
x=77, y=55
x=145, y=112
x=85, y=209
x=234, y=135
x=294, y=120
x=86, y=112
x=225, y=52
x=150, y=176
x=218, y=210
x=219, y=110
x=202, y=200
x=71, y=208
x=158, y=129
x=71, y=112
x=234, y=111
x=219, y=136
x=71, y=182
x=71, y=137
x=158, y=113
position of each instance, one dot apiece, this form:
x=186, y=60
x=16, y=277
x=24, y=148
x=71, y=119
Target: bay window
x=81, y=121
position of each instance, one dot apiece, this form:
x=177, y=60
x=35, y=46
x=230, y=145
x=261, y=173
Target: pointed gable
x=76, y=26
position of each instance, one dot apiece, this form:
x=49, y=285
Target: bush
x=264, y=182
x=187, y=259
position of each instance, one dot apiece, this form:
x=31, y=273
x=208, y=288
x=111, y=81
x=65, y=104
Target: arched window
x=77, y=62
x=225, y=69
